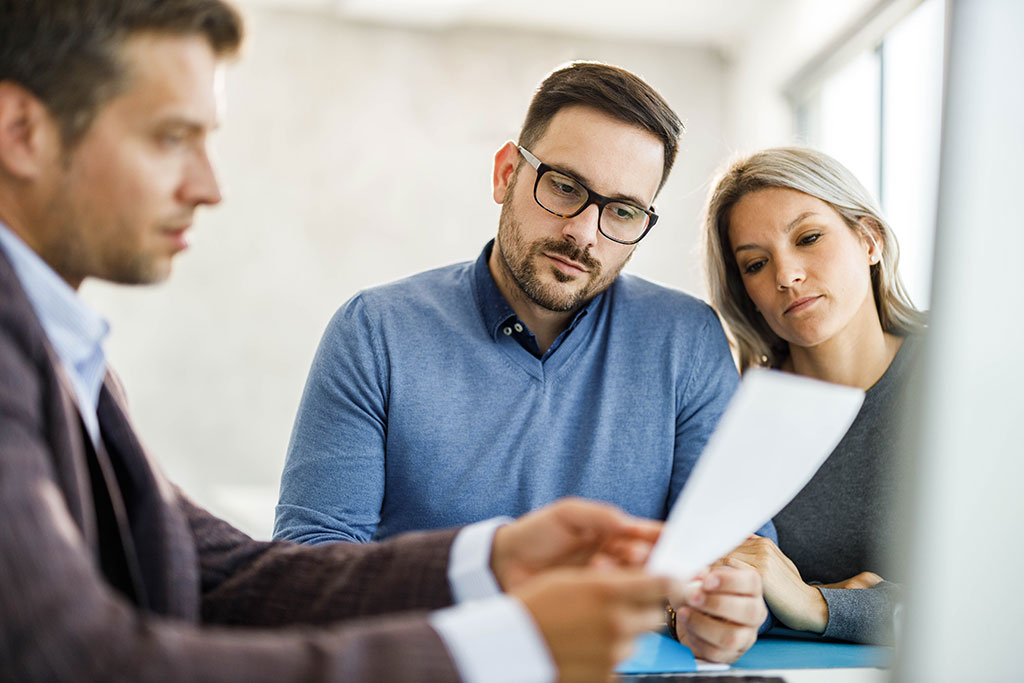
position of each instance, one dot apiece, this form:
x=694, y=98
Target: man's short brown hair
x=609, y=89
x=67, y=52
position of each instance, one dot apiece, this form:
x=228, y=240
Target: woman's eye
x=810, y=239
x=753, y=267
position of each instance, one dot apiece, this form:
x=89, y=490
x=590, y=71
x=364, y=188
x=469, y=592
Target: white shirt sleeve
x=490, y=636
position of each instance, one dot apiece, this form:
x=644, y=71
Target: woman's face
x=807, y=272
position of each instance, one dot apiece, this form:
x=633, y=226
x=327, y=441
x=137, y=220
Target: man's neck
x=545, y=324
x=16, y=221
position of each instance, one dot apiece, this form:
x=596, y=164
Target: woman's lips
x=801, y=304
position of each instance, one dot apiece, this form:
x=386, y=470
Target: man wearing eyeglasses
x=537, y=371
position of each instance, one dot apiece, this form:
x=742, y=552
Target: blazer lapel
x=163, y=542
x=70, y=461
x=105, y=523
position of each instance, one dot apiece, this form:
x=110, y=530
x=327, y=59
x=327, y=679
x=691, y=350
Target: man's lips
x=800, y=304
x=178, y=235
x=566, y=264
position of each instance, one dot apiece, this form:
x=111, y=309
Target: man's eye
x=564, y=187
x=626, y=213
x=171, y=139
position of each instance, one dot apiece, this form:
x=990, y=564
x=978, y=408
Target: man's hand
x=570, y=533
x=718, y=616
x=589, y=617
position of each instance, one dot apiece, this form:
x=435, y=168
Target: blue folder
x=779, y=649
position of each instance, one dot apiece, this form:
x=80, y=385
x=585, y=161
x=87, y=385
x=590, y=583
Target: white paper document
x=776, y=432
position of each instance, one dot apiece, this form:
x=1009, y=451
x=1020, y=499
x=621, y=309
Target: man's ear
x=506, y=160
x=29, y=138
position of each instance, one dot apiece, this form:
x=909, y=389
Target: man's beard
x=520, y=261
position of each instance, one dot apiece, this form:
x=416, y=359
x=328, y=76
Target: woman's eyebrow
x=788, y=229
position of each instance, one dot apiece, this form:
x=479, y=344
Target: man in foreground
x=111, y=573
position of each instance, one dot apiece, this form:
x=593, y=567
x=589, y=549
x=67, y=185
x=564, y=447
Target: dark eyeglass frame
x=592, y=198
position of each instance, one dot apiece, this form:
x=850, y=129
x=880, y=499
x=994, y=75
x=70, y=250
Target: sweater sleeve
x=862, y=615
x=332, y=487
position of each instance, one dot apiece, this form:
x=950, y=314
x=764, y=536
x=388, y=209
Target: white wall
x=352, y=155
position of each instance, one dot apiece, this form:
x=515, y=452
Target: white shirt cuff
x=469, y=562
x=494, y=641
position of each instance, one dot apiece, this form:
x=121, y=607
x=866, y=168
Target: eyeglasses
x=567, y=197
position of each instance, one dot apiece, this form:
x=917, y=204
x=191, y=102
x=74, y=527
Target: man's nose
x=582, y=229
x=200, y=185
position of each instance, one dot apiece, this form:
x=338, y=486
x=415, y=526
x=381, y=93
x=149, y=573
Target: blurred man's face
x=123, y=198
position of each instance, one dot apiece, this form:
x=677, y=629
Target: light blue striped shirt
x=74, y=329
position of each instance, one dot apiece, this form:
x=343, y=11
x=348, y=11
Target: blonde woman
x=803, y=269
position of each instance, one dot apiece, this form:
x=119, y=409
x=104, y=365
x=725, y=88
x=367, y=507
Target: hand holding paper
x=777, y=431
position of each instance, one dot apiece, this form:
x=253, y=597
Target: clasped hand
x=795, y=603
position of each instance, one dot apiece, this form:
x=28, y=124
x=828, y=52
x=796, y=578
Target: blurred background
x=356, y=149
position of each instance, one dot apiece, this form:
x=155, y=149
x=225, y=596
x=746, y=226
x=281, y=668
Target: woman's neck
x=857, y=358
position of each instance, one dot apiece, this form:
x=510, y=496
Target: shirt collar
x=75, y=330
x=495, y=309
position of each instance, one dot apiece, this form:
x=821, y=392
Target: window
x=879, y=111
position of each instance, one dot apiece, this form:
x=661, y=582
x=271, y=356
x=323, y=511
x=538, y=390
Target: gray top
x=840, y=524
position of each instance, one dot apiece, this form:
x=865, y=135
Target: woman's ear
x=871, y=233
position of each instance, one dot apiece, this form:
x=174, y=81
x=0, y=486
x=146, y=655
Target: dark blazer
x=109, y=573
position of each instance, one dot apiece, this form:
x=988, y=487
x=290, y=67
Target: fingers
x=638, y=587
x=602, y=519
x=737, y=578
x=739, y=609
x=866, y=580
x=628, y=551
x=712, y=638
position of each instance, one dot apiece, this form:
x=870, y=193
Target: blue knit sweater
x=425, y=408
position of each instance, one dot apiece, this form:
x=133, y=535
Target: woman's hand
x=797, y=605
x=862, y=580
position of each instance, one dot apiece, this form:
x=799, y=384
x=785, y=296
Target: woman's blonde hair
x=818, y=175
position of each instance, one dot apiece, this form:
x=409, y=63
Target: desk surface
x=796, y=658
x=860, y=675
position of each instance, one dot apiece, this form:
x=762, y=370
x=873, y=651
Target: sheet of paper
x=775, y=434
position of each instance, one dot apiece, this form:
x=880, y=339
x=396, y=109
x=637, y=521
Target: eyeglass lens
x=563, y=196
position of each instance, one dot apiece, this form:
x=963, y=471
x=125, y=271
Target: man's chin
x=558, y=298
x=137, y=273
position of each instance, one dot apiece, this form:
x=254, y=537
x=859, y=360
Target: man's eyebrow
x=565, y=170
x=190, y=125
x=789, y=228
